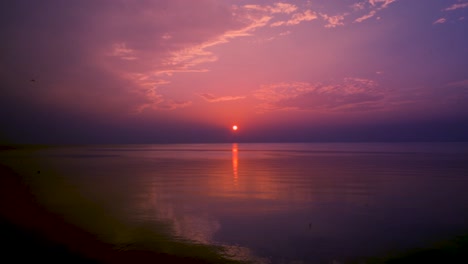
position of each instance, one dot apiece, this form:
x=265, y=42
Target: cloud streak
x=297, y=18
x=456, y=6
x=440, y=21
x=214, y=99
x=356, y=94
x=375, y=6
x=333, y=21
x=121, y=51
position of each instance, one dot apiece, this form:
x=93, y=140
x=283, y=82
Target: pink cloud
x=212, y=99
x=154, y=54
x=273, y=9
x=280, y=91
x=179, y=48
x=353, y=93
x=191, y=55
x=148, y=88
x=456, y=6
x=365, y=17
x=333, y=21
x=440, y=21
x=297, y=18
x=358, y=6
x=168, y=104
x=375, y=7
x=121, y=51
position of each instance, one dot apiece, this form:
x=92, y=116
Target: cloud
x=166, y=36
x=244, y=21
x=440, y=21
x=168, y=104
x=180, y=48
x=212, y=99
x=452, y=8
x=456, y=6
x=367, y=16
x=374, y=5
x=122, y=51
x=186, y=58
x=358, y=6
x=192, y=53
x=383, y=3
x=154, y=99
x=297, y=18
x=113, y=58
x=284, y=8
x=333, y=21
x=355, y=94
x=280, y=91
x=130, y=51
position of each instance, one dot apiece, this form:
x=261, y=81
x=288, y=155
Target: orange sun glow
x=234, y=127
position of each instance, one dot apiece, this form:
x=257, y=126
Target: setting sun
x=234, y=127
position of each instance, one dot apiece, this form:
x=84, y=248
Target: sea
x=257, y=203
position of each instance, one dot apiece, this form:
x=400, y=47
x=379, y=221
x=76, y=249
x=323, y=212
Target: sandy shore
x=29, y=232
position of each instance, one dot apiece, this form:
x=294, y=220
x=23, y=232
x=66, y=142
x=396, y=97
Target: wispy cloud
x=174, y=104
x=280, y=91
x=273, y=9
x=195, y=53
x=189, y=57
x=168, y=104
x=333, y=21
x=374, y=5
x=440, y=21
x=148, y=88
x=449, y=9
x=367, y=16
x=351, y=94
x=456, y=6
x=297, y=18
x=121, y=51
x=383, y=3
x=358, y=6
x=193, y=56
x=212, y=99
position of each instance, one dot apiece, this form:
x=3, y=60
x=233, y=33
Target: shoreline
x=30, y=232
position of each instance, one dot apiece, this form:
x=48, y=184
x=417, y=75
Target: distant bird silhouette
x=32, y=80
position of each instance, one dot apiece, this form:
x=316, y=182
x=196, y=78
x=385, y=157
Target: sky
x=163, y=71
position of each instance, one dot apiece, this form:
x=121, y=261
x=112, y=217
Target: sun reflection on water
x=235, y=163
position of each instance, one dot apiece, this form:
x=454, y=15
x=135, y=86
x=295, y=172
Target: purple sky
x=124, y=71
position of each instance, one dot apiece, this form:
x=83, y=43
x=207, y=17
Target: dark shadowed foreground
x=29, y=232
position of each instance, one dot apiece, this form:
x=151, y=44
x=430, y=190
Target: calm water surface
x=270, y=203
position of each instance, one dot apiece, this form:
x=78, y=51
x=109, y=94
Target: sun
x=234, y=127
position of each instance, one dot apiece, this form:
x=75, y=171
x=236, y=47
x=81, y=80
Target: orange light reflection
x=235, y=162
